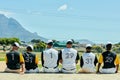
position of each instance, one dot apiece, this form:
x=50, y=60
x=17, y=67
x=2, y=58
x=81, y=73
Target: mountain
x=9, y=27
x=85, y=41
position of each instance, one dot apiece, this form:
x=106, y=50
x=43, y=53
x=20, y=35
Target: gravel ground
x=41, y=76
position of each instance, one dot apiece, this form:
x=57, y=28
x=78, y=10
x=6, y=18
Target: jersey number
x=88, y=61
x=69, y=55
x=12, y=56
x=109, y=59
x=51, y=55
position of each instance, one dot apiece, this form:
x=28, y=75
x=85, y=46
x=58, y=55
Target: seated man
x=69, y=58
x=110, y=61
x=88, y=60
x=31, y=60
x=50, y=58
x=14, y=60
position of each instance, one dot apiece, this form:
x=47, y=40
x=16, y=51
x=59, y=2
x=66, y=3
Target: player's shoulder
x=92, y=53
x=113, y=53
x=54, y=50
x=105, y=52
x=73, y=49
x=88, y=54
x=64, y=49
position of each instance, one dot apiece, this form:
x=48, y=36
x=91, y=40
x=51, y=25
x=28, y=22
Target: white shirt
x=88, y=61
x=69, y=58
x=50, y=57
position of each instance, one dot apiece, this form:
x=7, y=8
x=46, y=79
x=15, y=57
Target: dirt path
x=41, y=76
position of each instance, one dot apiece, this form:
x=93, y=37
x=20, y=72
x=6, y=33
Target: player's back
x=109, y=59
x=69, y=58
x=88, y=60
x=50, y=57
x=13, y=60
x=30, y=60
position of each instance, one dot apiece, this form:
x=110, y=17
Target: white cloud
x=6, y=13
x=63, y=7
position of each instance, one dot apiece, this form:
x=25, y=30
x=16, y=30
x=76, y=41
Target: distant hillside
x=85, y=41
x=9, y=27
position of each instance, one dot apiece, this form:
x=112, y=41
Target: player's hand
x=21, y=73
x=98, y=72
x=116, y=71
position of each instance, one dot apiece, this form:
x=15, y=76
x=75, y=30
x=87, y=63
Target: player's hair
x=51, y=43
x=29, y=48
x=108, y=46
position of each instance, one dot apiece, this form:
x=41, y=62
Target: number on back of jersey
x=69, y=55
x=88, y=60
x=109, y=59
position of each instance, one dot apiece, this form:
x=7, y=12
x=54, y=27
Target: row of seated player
x=68, y=57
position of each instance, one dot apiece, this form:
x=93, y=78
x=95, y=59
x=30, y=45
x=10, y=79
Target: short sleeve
x=21, y=58
x=77, y=58
x=117, y=60
x=36, y=59
x=100, y=59
x=6, y=60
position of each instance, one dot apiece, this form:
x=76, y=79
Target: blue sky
x=96, y=20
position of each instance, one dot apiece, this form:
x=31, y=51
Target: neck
x=88, y=51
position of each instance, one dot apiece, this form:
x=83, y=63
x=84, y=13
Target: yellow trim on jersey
x=21, y=58
x=117, y=60
x=6, y=60
x=100, y=59
x=36, y=59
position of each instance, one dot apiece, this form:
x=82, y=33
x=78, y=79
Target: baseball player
x=50, y=58
x=31, y=60
x=14, y=60
x=69, y=58
x=88, y=60
x=110, y=61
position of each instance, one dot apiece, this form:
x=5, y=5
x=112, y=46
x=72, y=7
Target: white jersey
x=88, y=61
x=69, y=58
x=50, y=57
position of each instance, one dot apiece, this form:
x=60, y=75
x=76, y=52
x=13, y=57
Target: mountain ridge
x=9, y=27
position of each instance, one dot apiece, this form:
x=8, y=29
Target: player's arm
x=99, y=63
x=42, y=61
x=96, y=61
x=22, y=63
x=117, y=63
x=60, y=56
x=77, y=58
x=58, y=59
x=81, y=62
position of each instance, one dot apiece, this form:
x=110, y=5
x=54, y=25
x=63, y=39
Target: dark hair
x=29, y=48
x=69, y=42
x=50, y=43
x=88, y=47
x=108, y=46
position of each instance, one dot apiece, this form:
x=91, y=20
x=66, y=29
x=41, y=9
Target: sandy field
x=43, y=76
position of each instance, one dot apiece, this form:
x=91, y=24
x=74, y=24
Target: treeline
x=38, y=45
x=8, y=41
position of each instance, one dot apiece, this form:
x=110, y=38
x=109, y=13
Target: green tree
x=97, y=49
x=7, y=41
x=35, y=40
x=40, y=46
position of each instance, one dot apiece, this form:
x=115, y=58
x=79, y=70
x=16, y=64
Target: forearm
x=117, y=67
x=99, y=64
x=60, y=61
x=23, y=67
x=76, y=61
